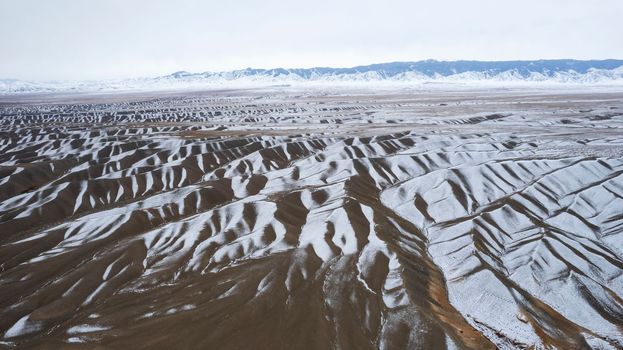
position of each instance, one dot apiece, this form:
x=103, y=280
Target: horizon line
x=319, y=67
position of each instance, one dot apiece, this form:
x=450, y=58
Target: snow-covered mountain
x=451, y=72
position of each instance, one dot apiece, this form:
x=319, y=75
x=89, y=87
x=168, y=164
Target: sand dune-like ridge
x=264, y=219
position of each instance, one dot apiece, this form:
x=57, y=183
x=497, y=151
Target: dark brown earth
x=312, y=219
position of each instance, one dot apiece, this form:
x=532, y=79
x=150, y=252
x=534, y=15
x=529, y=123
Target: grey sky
x=80, y=39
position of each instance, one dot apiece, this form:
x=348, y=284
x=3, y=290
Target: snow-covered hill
x=602, y=72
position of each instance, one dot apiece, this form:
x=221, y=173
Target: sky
x=112, y=39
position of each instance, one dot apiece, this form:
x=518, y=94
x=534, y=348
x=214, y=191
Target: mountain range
x=562, y=71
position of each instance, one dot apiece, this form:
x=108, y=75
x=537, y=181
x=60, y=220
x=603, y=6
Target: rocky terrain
x=311, y=219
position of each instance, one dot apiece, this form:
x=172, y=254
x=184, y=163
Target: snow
x=23, y=326
x=86, y=328
x=488, y=75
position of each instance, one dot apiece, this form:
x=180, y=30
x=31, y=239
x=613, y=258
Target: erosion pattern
x=279, y=220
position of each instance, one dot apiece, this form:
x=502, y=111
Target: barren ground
x=309, y=219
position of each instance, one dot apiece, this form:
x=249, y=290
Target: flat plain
x=284, y=218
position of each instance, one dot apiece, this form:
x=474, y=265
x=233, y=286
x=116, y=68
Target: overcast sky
x=95, y=39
